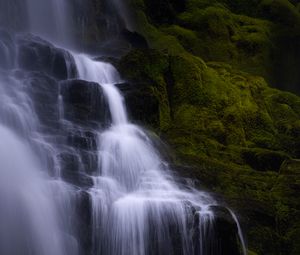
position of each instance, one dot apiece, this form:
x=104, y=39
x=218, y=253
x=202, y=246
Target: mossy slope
x=209, y=67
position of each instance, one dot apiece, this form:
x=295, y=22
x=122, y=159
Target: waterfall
x=50, y=19
x=136, y=186
x=76, y=176
x=28, y=214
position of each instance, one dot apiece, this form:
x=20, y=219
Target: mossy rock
x=230, y=131
x=264, y=160
x=152, y=75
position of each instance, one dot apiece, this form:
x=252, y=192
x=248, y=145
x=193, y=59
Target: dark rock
x=35, y=54
x=142, y=105
x=226, y=232
x=135, y=39
x=77, y=179
x=264, y=160
x=82, y=139
x=45, y=92
x=164, y=11
x=84, y=222
x=70, y=162
x=84, y=102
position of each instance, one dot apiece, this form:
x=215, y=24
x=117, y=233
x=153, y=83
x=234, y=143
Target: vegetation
x=213, y=68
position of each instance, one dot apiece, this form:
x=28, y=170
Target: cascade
x=76, y=176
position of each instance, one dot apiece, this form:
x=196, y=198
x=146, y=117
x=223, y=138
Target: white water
x=121, y=7
x=28, y=215
x=135, y=199
x=31, y=202
x=51, y=20
x=240, y=232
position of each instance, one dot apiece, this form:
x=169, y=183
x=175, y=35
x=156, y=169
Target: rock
x=142, y=105
x=264, y=160
x=45, y=91
x=35, y=54
x=226, y=232
x=84, y=224
x=78, y=179
x=84, y=102
x=164, y=11
x=135, y=39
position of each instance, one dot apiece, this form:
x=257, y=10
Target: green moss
x=225, y=36
x=251, y=252
x=187, y=38
x=151, y=72
x=219, y=117
x=264, y=239
x=187, y=80
x=156, y=38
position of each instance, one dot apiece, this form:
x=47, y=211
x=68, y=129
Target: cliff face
x=209, y=85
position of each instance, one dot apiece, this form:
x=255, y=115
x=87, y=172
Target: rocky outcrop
x=35, y=54
x=83, y=102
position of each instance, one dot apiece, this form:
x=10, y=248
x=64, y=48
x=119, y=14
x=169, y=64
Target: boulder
x=142, y=105
x=226, y=232
x=35, y=54
x=84, y=103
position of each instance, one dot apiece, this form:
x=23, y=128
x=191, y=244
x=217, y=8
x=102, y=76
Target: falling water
x=240, y=232
x=50, y=19
x=73, y=182
x=135, y=199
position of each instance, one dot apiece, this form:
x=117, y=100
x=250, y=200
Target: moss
x=193, y=4
x=243, y=6
x=187, y=38
x=156, y=38
x=251, y=252
x=264, y=160
x=226, y=124
x=265, y=239
x=294, y=237
x=155, y=64
x=220, y=116
x=187, y=77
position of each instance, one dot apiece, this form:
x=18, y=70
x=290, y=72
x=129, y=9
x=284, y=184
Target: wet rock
x=78, y=179
x=84, y=224
x=226, y=232
x=82, y=139
x=84, y=102
x=142, y=105
x=35, y=54
x=45, y=92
